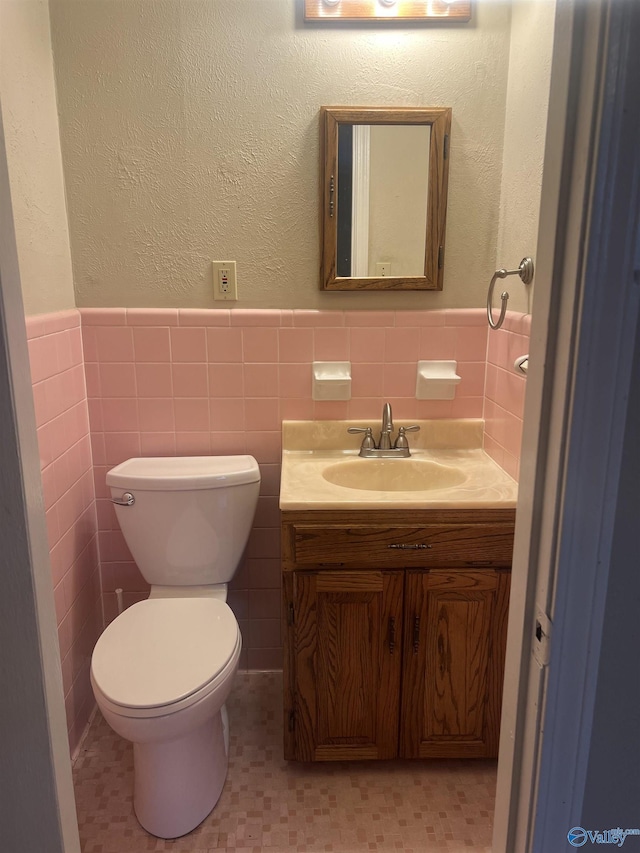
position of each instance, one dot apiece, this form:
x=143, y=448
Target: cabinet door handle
x=392, y=634
x=416, y=634
x=403, y=547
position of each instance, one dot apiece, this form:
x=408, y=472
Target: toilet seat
x=162, y=655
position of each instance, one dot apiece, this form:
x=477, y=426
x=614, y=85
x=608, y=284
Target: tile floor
x=274, y=806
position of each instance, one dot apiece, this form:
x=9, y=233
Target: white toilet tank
x=190, y=518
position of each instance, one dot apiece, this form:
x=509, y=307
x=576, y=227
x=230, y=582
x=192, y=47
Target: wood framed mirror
x=384, y=197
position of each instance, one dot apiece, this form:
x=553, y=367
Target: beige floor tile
x=269, y=805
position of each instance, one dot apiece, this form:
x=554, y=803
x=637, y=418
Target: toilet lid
x=160, y=651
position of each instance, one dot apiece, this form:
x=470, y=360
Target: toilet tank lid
x=182, y=473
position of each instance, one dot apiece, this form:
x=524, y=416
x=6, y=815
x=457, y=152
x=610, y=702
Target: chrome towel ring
x=525, y=271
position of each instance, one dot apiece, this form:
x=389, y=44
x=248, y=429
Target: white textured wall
x=527, y=103
x=28, y=101
x=190, y=133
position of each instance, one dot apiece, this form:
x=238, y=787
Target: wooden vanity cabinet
x=453, y=664
x=394, y=633
x=348, y=634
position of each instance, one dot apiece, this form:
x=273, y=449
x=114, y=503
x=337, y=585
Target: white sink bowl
x=393, y=475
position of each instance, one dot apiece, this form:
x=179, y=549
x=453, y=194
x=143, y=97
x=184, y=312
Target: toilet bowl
x=162, y=670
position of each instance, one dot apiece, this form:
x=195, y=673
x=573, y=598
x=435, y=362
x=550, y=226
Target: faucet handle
x=401, y=440
x=367, y=442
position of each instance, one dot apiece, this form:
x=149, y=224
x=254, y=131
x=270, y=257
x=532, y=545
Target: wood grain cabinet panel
x=396, y=653
x=454, y=643
x=369, y=538
x=348, y=630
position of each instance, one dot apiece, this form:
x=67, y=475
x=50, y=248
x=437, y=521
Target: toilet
x=162, y=670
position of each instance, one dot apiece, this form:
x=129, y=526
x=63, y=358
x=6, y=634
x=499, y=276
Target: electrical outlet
x=383, y=269
x=225, y=285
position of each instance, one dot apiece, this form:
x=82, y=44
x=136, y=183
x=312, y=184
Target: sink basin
x=393, y=475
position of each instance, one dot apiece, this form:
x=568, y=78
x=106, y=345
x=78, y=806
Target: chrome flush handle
x=127, y=499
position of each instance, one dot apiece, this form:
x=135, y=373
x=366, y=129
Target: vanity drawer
x=400, y=545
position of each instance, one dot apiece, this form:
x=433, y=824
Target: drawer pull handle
x=416, y=634
x=392, y=634
x=403, y=547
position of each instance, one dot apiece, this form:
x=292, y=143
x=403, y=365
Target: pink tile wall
x=57, y=372
x=189, y=382
x=167, y=382
x=505, y=389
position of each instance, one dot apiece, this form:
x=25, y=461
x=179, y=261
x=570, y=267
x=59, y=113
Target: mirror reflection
x=385, y=197
x=383, y=180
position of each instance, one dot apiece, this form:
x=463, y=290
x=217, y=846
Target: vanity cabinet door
x=348, y=648
x=454, y=645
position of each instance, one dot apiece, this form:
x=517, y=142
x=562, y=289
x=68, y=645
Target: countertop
x=311, y=447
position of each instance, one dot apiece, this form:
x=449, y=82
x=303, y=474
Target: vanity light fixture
x=420, y=11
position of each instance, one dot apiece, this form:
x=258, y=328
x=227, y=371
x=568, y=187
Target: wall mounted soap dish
x=331, y=380
x=436, y=380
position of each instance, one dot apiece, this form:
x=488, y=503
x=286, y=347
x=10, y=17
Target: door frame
x=582, y=345
x=37, y=802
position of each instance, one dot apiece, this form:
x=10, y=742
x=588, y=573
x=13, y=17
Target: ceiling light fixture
x=388, y=12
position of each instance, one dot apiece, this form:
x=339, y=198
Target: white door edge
x=572, y=120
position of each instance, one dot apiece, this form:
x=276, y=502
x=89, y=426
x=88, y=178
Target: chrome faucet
x=385, y=447
x=387, y=428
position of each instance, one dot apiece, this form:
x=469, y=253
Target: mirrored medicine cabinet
x=384, y=197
